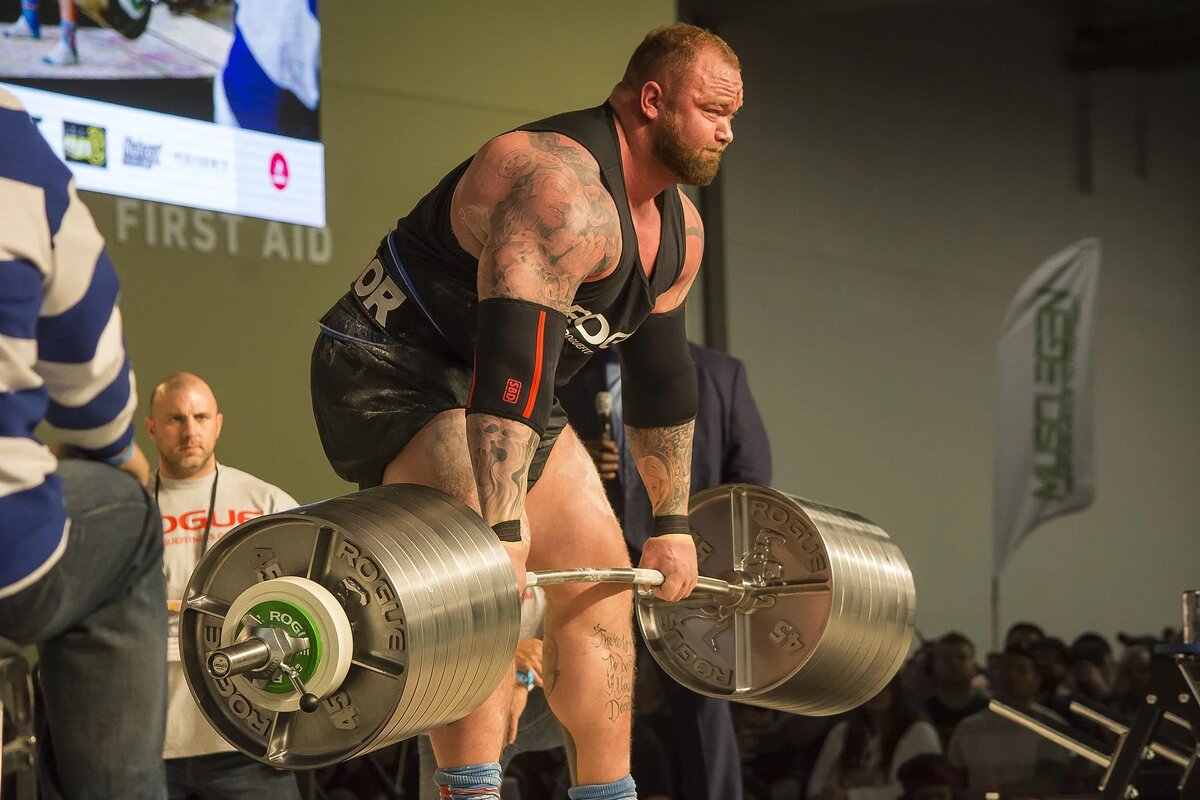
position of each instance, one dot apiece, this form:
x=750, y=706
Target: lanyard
x=212, y=506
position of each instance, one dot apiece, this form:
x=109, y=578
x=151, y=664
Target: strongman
x=439, y=366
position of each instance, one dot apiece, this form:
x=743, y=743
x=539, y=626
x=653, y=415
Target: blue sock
x=29, y=10
x=624, y=789
x=68, y=33
x=469, y=782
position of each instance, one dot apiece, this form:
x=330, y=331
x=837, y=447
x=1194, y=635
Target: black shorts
x=373, y=391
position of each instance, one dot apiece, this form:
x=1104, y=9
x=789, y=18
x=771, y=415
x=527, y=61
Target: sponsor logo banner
x=141, y=154
x=85, y=144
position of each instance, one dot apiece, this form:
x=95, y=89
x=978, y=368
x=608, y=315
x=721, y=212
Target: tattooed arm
x=551, y=225
x=664, y=455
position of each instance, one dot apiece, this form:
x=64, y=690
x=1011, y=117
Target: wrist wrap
x=508, y=531
x=672, y=523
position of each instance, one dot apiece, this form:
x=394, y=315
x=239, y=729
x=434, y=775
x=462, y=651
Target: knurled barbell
x=396, y=610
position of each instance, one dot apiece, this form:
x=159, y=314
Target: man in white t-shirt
x=200, y=501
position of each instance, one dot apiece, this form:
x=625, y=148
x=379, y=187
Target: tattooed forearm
x=664, y=460
x=501, y=451
x=557, y=226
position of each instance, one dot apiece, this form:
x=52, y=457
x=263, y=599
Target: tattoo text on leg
x=619, y=677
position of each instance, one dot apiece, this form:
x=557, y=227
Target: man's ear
x=220, y=423
x=651, y=99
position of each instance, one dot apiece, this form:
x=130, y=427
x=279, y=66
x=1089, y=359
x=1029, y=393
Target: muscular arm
x=553, y=226
x=663, y=454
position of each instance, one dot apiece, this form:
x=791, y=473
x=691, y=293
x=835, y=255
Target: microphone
x=604, y=408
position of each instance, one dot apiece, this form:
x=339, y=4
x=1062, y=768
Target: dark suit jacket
x=730, y=444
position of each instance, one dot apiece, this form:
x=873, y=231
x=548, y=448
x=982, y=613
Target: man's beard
x=694, y=166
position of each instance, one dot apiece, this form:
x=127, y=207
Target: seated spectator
x=1133, y=680
x=861, y=757
x=999, y=755
x=1091, y=666
x=917, y=674
x=1050, y=658
x=1023, y=634
x=955, y=695
x=928, y=776
x=80, y=540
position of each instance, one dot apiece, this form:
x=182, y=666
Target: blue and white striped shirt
x=62, y=355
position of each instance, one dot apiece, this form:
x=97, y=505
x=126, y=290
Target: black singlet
x=428, y=267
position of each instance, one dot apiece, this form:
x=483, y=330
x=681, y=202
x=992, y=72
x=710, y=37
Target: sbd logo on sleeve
x=512, y=390
x=85, y=144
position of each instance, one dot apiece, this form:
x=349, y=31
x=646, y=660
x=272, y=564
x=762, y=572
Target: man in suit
x=730, y=446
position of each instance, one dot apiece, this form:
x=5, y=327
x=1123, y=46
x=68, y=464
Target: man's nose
x=725, y=131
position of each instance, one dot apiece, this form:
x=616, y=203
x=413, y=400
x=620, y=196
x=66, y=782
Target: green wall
x=409, y=90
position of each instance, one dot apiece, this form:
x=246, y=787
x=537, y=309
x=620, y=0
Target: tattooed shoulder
x=556, y=227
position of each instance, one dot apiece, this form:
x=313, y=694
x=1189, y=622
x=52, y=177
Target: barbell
x=394, y=610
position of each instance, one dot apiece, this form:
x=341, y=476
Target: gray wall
x=897, y=174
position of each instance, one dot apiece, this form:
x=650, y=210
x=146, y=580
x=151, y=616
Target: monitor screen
x=205, y=103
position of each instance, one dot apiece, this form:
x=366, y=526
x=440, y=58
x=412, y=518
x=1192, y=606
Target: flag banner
x=1043, y=424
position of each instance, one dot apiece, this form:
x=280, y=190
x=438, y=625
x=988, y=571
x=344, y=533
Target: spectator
x=80, y=543
x=1000, y=756
x=1133, y=680
x=955, y=696
x=1091, y=666
x=185, y=424
x=1023, y=634
x=1050, y=657
x=861, y=757
x=928, y=776
x=918, y=675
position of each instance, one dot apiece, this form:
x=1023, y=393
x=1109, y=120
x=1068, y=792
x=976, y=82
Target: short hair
x=1051, y=644
x=956, y=638
x=1023, y=627
x=1092, y=647
x=667, y=51
x=1021, y=650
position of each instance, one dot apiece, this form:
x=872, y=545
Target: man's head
x=953, y=661
x=686, y=83
x=928, y=776
x=1019, y=676
x=1050, y=655
x=1023, y=634
x=184, y=424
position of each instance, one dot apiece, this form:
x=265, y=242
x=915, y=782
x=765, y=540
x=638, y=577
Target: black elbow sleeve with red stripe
x=517, y=345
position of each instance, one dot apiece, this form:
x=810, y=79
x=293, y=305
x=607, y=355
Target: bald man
x=201, y=500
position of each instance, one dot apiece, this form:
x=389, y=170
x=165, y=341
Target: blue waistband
x=409, y=289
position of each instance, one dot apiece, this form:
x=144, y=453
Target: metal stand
x=1169, y=712
x=18, y=760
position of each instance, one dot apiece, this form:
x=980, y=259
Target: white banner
x=136, y=153
x=1043, y=425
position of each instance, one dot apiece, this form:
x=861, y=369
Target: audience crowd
x=929, y=735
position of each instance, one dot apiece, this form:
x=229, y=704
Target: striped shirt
x=62, y=355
